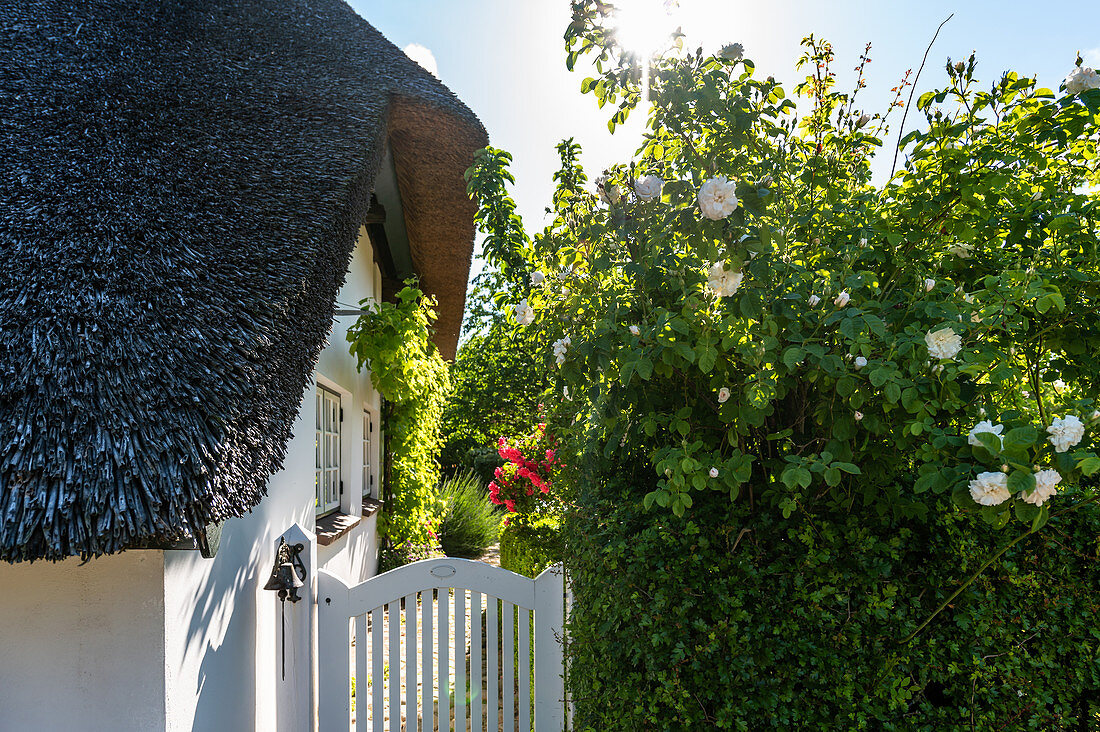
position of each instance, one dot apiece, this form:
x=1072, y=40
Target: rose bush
x=776, y=334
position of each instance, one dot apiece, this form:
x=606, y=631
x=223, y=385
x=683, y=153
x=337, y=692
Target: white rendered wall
x=221, y=640
x=83, y=645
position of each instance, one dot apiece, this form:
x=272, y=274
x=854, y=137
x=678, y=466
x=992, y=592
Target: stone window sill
x=334, y=525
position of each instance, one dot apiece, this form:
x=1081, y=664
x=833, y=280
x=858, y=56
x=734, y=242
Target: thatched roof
x=182, y=185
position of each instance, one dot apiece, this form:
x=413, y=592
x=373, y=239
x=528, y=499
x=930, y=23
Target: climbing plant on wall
x=393, y=341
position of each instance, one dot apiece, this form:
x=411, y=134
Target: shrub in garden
x=848, y=424
x=468, y=524
x=530, y=547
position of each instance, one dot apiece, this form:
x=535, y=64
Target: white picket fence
x=441, y=644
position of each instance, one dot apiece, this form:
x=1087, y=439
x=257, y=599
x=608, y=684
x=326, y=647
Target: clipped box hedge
x=721, y=620
x=528, y=549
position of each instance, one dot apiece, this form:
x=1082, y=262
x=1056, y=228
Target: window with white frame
x=327, y=446
x=370, y=480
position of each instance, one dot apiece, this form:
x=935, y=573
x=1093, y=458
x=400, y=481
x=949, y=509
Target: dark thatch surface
x=182, y=184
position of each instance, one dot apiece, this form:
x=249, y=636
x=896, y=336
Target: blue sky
x=505, y=59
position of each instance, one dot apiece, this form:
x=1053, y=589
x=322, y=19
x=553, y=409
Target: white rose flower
x=929, y=285
x=1082, y=78
x=723, y=395
x=860, y=362
x=990, y=489
x=732, y=52
x=537, y=278
x=1065, y=432
x=961, y=250
x=1046, y=485
x=943, y=343
x=813, y=301
x=635, y=330
x=714, y=472
x=858, y=416
x=718, y=198
x=722, y=281
x=560, y=347
x=648, y=188
x=842, y=299
x=984, y=426
x=1059, y=385
x=524, y=313
x=608, y=193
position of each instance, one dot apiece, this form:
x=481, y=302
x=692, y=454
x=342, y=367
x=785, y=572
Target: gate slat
x=524, y=634
x=443, y=606
x=475, y=662
x=427, y=655
x=362, y=685
x=509, y=667
x=460, y=660
x=393, y=614
x=410, y=663
x=377, y=676
x=492, y=666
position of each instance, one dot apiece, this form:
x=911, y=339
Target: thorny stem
x=969, y=581
x=901, y=130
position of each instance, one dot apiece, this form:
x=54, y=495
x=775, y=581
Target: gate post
x=549, y=659
x=334, y=656
x=296, y=695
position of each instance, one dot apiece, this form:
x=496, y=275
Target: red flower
x=510, y=505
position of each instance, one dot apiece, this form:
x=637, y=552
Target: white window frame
x=370, y=464
x=327, y=448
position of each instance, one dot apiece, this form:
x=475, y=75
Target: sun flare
x=645, y=27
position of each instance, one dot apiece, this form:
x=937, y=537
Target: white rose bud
x=1096, y=414
x=813, y=301
x=714, y=472
x=723, y=395
x=929, y=285
x=537, y=278
x=860, y=362
x=842, y=299
x=648, y=188
x=635, y=330
x=858, y=416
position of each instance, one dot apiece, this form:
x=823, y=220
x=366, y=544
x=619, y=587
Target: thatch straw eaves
x=182, y=185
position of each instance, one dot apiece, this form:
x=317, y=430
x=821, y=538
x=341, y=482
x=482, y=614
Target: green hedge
x=530, y=548
x=719, y=621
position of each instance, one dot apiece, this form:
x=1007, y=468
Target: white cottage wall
x=84, y=645
x=221, y=628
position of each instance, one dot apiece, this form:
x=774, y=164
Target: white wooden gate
x=441, y=644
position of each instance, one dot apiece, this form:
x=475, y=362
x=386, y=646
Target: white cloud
x=423, y=56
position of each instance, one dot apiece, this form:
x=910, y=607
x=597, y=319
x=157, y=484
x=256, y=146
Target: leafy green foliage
x=767, y=410
x=728, y=620
x=468, y=524
x=393, y=341
x=530, y=547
